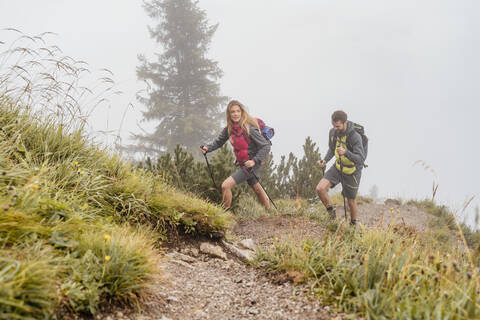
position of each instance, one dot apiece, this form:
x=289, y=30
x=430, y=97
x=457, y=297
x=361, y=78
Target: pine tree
x=183, y=96
x=308, y=173
x=268, y=177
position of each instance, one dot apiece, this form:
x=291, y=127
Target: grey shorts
x=244, y=174
x=351, y=182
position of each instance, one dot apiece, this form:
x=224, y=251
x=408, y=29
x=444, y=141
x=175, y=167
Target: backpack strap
x=332, y=141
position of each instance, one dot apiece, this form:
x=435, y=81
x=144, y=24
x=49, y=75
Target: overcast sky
x=407, y=70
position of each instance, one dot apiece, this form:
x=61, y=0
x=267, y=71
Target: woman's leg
x=262, y=196
x=227, y=186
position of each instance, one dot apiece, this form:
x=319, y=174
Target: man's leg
x=227, y=186
x=322, y=190
x=262, y=195
x=352, y=183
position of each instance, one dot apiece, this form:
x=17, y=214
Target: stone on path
x=242, y=254
x=214, y=251
x=248, y=244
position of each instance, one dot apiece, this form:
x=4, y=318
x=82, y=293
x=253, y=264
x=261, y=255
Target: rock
x=172, y=299
x=248, y=244
x=194, y=252
x=119, y=315
x=165, y=318
x=244, y=255
x=199, y=314
x=182, y=263
x=214, y=251
x=253, y=311
x=392, y=202
x=185, y=257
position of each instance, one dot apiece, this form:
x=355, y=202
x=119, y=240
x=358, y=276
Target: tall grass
x=391, y=273
x=78, y=225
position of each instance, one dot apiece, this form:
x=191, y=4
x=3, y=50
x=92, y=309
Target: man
x=346, y=144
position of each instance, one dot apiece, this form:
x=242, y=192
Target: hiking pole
x=209, y=169
x=343, y=187
x=252, y=172
x=343, y=182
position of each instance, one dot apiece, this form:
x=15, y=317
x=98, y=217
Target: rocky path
x=200, y=284
x=211, y=288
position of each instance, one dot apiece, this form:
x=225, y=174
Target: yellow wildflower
x=276, y=238
x=35, y=186
x=75, y=163
x=107, y=237
x=398, y=210
x=107, y=258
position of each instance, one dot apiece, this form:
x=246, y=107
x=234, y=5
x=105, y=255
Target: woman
x=250, y=148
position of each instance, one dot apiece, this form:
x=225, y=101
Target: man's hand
x=322, y=163
x=204, y=149
x=341, y=151
x=249, y=163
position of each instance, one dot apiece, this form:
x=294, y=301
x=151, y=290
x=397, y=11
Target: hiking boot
x=332, y=214
x=217, y=235
x=353, y=223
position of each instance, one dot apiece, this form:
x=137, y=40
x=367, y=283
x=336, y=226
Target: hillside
x=79, y=227
x=84, y=233
x=276, y=285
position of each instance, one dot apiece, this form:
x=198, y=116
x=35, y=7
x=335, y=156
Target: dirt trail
x=198, y=286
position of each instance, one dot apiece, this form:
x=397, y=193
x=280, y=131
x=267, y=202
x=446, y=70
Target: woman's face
x=235, y=113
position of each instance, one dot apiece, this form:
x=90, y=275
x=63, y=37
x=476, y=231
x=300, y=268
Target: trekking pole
x=343, y=183
x=209, y=169
x=343, y=188
x=252, y=172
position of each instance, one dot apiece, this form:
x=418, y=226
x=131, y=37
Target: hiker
x=346, y=144
x=250, y=148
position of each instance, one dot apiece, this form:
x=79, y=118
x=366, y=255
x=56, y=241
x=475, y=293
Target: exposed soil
x=373, y=214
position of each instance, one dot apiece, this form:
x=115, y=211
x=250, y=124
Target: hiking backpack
x=267, y=132
x=361, y=131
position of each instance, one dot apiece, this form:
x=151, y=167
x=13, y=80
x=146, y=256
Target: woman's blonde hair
x=245, y=121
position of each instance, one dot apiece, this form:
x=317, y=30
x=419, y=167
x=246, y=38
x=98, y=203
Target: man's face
x=339, y=127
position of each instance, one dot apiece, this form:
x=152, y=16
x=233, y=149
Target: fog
x=408, y=71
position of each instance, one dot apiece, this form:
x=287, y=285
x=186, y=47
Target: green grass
x=446, y=222
x=79, y=226
x=384, y=274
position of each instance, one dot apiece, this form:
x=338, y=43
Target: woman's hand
x=204, y=149
x=249, y=163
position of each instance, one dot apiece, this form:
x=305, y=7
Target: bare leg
x=262, y=195
x=227, y=186
x=353, y=209
x=322, y=190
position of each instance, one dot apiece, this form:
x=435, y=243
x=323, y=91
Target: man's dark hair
x=339, y=115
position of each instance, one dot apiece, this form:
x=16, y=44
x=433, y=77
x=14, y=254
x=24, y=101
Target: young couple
x=251, y=148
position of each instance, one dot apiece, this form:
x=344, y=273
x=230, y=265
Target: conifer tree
x=183, y=97
x=307, y=172
x=268, y=177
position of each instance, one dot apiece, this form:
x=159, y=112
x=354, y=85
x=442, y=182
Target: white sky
x=407, y=70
